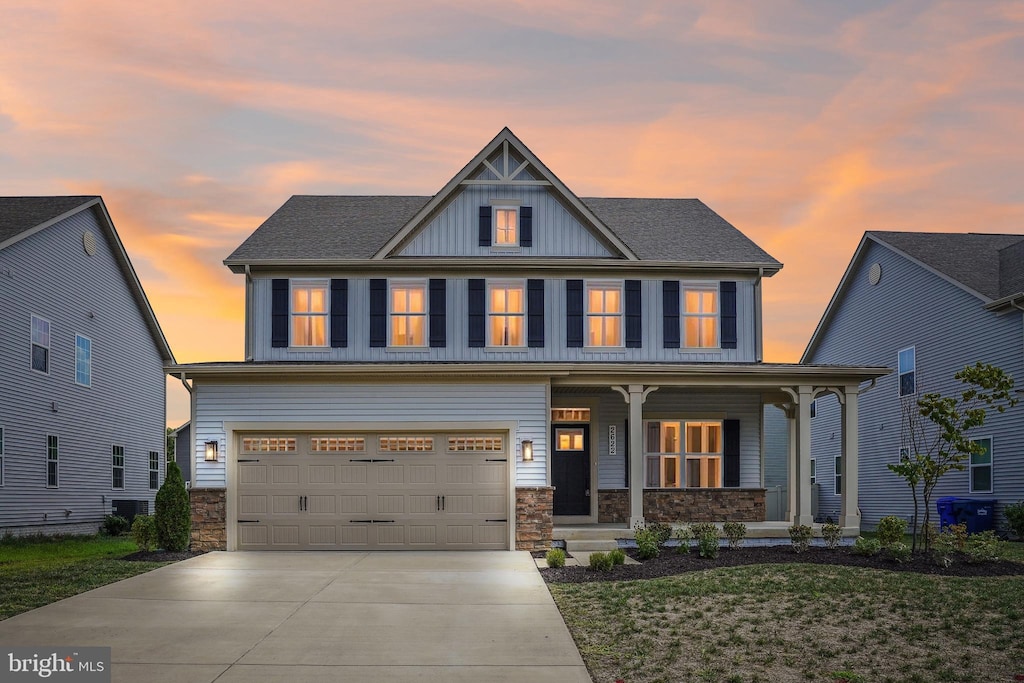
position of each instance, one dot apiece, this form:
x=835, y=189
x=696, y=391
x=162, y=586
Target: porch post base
x=850, y=521
x=633, y=521
x=806, y=520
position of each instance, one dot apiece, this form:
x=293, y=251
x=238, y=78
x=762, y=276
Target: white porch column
x=850, y=514
x=802, y=513
x=636, y=454
x=791, y=469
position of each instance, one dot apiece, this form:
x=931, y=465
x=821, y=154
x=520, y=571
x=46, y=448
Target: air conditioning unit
x=129, y=508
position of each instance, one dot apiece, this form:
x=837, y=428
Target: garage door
x=379, y=491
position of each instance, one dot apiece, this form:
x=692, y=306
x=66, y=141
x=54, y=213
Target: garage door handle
x=241, y=460
x=496, y=460
x=248, y=521
x=495, y=520
x=360, y=521
x=439, y=502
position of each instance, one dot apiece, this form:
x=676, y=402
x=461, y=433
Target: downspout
x=248, y=312
x=758, y=332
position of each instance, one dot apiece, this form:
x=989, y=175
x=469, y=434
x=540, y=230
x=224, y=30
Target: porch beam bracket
x=622, y=390
x=647, y=392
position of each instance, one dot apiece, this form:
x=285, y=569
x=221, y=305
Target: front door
x=570, y=469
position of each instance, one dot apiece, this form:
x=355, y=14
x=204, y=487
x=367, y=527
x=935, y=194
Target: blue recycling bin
x=946, y=515
x=979, y=515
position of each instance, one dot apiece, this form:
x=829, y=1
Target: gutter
x=758, y=316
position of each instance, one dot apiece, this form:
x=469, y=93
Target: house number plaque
x=612, y=440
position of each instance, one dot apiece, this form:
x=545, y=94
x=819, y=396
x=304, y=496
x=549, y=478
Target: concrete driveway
x=316, y=616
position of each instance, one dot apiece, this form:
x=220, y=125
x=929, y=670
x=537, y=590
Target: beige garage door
x=375, y=491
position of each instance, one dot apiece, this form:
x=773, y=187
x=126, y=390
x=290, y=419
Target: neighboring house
x=925, y=304
x=82, y=358
x=183, y=451
x=468, y=369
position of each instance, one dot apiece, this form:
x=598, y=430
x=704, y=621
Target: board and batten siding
x=949, y=328
x=523, y=403
x=456, y=329
x=776, y=447
x=49, y=275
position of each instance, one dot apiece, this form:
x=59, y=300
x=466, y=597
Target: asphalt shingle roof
x=992, y=265
x=353, y=227
x=20, y=214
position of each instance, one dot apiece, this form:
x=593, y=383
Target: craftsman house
x=470, y=369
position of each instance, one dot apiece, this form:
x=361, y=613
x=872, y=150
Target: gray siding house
x=925, y=304
x=81, y=359
x=486, y=366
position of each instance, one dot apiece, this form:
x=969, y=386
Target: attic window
x=506, y=226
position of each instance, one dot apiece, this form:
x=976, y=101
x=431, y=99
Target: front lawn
x=798, y=622
x=37, y=571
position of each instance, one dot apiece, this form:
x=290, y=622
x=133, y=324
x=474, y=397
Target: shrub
x=707, y=543
x=600, y=562
x=832, y=533
x=899, y=552
x=983, y=547
x=800, y=537
x=144, y=532
x=555, y=558
x=647, y=540
x=945, y=545
x=956, y=535
x=701, y=528
x=173, y=515
x=735, y=532
x=1015, y=518
x=684, y=535
x=618, y=556
x=891, y=530
x=662, y=532
x=114, y=525
x=866, y=546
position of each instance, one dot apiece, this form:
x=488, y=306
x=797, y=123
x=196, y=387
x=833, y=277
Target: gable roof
x=22, y=217
x=987, y=266
x=330, y=229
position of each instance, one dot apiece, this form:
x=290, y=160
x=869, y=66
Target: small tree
x=935, y=431
x=173, y=513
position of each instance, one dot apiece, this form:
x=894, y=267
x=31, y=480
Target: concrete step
x=589, y=546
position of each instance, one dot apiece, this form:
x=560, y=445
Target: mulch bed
x=670, y=562
x=162, y=556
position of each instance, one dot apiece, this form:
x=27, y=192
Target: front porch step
x=589, y=546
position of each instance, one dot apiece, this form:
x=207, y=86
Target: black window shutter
x=526, y=226
x=731, y=451
x=438, y=306
x=485, y=226
x=279, y=313
x=339, y=313
x=476, y=313
x=378, y=313
x=535, y=314
x=670, y=309
x=574, y=313
x=728, y=314
x=634, y=320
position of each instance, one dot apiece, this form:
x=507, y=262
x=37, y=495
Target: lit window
x=154, y=470
x=394, y=444
x=269, y=444
x=981, y=466
x=839, y=475
x=466, y=444
x=506, y=314
x=604, y=314
x=52, y=462
x=907, y=362
x=83, y=361
x=569, y=439
x=506, y=226
x=408, y=313
x=117, y=467
x=700, y=317
x=309, y=314
x=337, y=444
x=704, y=454
x=40, y=344
x=662, y=446
x=570, y=414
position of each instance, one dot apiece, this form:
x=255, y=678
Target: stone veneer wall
x=209, y=519
x=533, y=517
x=685, y=505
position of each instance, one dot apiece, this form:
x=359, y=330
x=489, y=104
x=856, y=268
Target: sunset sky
x=803, y=124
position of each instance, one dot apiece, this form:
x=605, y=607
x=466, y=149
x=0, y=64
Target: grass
x=36, y=571
x=798, y=622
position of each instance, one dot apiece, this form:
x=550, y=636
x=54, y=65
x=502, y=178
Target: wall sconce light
x=527, y=451
x=211, y=451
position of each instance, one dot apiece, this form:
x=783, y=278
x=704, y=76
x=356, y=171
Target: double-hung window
x=704, y=454
x=309, y=313
x=506, y=313
x=604, y=314
x=663, y=448
x=839, y=475
x=117, y=467
x=981, y=466
x=83, y=361
x=40, y=344
x=907, y=363
x=700, y=317
x=154, y=470
x=52, y=462
x=408, y=314
x=506, y=226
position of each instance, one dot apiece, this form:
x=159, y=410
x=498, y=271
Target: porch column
x=636, y=454
x=802, y=512
x=791, y=489
x=850, y=513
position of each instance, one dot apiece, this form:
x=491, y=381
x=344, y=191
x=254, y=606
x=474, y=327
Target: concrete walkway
x=318, y=617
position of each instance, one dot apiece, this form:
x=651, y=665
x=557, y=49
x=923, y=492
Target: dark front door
x=570, y=469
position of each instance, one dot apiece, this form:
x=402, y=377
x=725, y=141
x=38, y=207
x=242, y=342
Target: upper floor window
x=506, y=313
x=154, y=470
x=506, y=226
x=83, y=361
x=40, y=344
x=981, y=466
x=52, y=461
x=700, y=317
x=309, y=313
x=117, y=467
x=408, y=314
x=907, y=363
x=604, y=314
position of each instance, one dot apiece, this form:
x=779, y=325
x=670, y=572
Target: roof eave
x=25, y=234
x=1011, y=302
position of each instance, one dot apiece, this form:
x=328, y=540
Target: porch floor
x=613, y=532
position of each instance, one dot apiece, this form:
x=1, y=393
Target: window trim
x=88, y=361
x=154, y=457
x=497, y=207
x=32, y=343
x=990, y=464
x=900, y=374
x=904, y=455
x=814, y=409
x=425, y=314
x=309, y=283
x=604, y=285
x=719, y=454
x=814, y=471
x=114, y=467
x=53, y=456
x=685, y=287
x=685, y=453
x=838, y=474
x=489, y=314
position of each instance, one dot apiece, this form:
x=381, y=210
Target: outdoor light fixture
x=211, y=451
x=527, y=451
